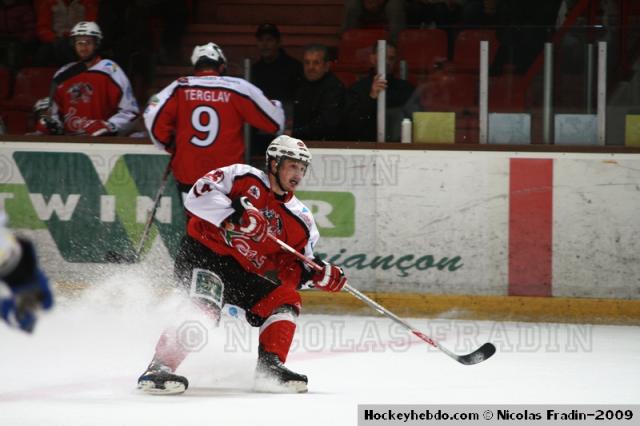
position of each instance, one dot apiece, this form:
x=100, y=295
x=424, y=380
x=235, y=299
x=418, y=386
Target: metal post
x=602, y=92
x=246, y=128
x=382, y=98
x=547, y=112
x=484, y=91
x=589, y=79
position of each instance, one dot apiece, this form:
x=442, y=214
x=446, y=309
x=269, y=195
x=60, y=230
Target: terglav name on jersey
x=206, y=95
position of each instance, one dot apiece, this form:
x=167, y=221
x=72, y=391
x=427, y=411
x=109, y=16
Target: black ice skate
x=273, y=376
x=160, y=380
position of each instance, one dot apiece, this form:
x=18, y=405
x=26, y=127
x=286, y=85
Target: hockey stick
x=482, y=353
x=114, y=257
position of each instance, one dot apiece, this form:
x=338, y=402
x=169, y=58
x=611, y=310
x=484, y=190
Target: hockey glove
x=330, y=278
x=29, y=291
x=99, y=128
x=251, y=222
x=49, y=126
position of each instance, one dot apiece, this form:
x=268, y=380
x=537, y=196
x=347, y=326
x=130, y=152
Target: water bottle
x=406, y=127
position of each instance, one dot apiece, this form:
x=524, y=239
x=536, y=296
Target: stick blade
x=483, y=353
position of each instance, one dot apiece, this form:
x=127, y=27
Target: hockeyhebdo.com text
x=367, y=335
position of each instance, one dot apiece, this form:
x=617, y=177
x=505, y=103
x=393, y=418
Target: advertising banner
x=439, y=222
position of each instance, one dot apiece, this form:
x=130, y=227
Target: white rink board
x=449, y=203
x=415, y=209
x=443, y=204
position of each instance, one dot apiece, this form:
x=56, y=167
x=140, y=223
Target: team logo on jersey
x=254, y=191
x=112, y=67
x=275, y=223
x=80, y=92
x=215, y=176
x=238, y=240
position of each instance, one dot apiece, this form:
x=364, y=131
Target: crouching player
x=24, y=289
x=226, y=258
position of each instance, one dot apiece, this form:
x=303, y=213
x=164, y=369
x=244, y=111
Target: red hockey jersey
x=209, y=203
x=200, y=119
x=102, y=92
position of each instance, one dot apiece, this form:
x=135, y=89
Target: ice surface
x=81, y=365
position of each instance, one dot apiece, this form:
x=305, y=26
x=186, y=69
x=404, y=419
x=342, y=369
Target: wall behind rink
x=398, y=221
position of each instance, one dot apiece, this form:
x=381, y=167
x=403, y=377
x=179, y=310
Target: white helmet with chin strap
x=209, y=51
x=87, y=28
x=287, y=147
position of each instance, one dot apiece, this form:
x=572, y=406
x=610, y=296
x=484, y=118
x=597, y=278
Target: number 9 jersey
x=199, y=119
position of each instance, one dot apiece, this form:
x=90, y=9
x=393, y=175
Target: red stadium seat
x=356, y=45
x=422, y=48
x=17, y=122
x=30, y=85
x=506, y=93
x=450, y=92
x=466, y=56
x=5, y=82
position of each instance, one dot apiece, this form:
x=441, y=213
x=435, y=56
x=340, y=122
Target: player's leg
x=159, y=377
x=193, y=270
x=279, y=311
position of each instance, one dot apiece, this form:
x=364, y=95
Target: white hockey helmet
x=287, y=147
x=86, y=28
x=209, y=51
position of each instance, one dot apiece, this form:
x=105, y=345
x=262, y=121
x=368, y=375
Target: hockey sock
x=169, y=350
x=276, y=334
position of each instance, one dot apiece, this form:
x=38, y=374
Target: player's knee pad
x=207, y=290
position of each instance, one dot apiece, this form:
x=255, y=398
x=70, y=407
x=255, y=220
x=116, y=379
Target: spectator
x=93, y=96
x=319, y=100
x=361, y=105
x=17, y=32
x=367, y=13
x=55, y=19
x=277, y=74
x=199, y=119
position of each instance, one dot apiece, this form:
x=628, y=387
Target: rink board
x=398, y=221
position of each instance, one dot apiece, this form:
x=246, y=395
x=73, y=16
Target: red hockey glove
x=99, y=128
x=252, y=223
x=49, y=126
x=330, y=278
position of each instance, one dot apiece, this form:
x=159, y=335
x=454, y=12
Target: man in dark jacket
x=319, y=100
x=277, y=74
x=362, y=101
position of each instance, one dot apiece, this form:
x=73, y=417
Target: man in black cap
x=276, y=73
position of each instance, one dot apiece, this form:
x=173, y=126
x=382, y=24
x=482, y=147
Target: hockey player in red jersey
x=199, y=119
x=227, y=259
x=94, y=97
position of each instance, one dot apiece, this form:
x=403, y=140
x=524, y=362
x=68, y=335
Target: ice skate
x=272, y=376
x=160, y=380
